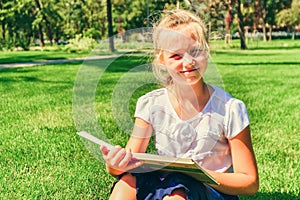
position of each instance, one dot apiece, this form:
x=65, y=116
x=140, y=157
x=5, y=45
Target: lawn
x=36, y=56
x=43, y=158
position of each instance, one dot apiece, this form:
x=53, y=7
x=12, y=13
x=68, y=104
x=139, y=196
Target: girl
x=190, y=119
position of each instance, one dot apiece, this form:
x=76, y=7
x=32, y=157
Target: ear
x=160, y=57
x=159, y=60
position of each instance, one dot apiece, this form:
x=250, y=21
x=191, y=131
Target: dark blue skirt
x=155, y=185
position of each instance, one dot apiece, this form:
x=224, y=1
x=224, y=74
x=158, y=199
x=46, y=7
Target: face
x=182, y=56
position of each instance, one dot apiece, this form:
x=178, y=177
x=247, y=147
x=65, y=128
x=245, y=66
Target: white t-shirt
x=203, y=138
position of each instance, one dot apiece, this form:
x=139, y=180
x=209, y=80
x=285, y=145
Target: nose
x=188, y=60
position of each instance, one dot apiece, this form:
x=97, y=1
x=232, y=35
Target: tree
x=24, y=21
x=290, y=17
x=40, y=17
x=110, y=26
x=237, y=5
x=128, y=14
x=16, y=17
x=48, y=20
x=135, y=14
x=257, y=14
x=213, y=13
x=96, y=14
x=269, y=9
x=223, y=11
x=3, y=16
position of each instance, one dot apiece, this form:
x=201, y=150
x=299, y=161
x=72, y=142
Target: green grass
x=278, y=44
x=269, y=84
x=58, y=52
x=41, y=157
x=7, y=57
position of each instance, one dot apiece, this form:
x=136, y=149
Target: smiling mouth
x=190, y=70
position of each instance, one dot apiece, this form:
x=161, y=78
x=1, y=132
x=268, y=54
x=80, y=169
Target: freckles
x=202, y=62
x=203, y=67
x=173, y=64
x=201, y=59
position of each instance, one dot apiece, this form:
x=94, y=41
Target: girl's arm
x=119, y=160
x=244, y=180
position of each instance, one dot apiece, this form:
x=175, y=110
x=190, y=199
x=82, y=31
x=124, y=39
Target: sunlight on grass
x=42, y=157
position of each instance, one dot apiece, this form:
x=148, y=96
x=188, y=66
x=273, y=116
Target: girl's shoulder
x=146, y=102
x=221, y=97
x=158, y=96
x=155, y=94
x=220, y=94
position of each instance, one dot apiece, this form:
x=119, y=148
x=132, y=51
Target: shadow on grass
x=31, y=68
x=30, y=79
x=275, y=48
x=273, y=196
x=247, y=53
x=258, y=63
x=29, y=58
x=18, y=70
x=258, y=46
x=23, y=74
x=124, y=63
x=20, y=78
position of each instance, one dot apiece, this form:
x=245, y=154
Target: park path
x=57, y=61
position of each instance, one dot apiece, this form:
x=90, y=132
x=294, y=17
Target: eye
x=176, y=56
x=196, y=52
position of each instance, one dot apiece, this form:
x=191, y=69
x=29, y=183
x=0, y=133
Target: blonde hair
x=173, y=20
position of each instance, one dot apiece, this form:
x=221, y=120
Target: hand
x=119, y=159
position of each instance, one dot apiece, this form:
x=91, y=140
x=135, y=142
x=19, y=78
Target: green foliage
x=92, y=33
x=290, y=17
x=16, y=24
x=43, y=22
x=272, y=7
x=80, y=44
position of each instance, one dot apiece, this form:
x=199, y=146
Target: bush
x=92, y=33
x=80, y=44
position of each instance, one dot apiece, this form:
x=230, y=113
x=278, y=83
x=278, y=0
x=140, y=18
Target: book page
x=164, y=163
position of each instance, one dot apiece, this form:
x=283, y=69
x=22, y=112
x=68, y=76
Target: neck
x=196, y=92
x=190, y=99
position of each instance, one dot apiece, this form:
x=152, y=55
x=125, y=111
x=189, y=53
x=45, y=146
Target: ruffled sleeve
x=142, y=109
x=236, y=118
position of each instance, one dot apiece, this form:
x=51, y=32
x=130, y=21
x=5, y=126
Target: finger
x=134, y=164
x=127, y=158
x=114, y=151
x=118, y=157
x=110, y=154
x=104, y=150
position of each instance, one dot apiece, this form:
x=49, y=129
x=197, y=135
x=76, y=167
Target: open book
x=164, y=163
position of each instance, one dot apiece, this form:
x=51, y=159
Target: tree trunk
x=264, y=15
x=270, y=33
x=40, y=28
x=241, y=25
x=110, y=27
x=264, y=31
x=48, y=25
x=103, y=29
x=49, y=30
x=41, y=36
x=3, y=29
